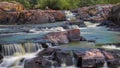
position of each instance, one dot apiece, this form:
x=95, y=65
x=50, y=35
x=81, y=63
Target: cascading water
x=15, y=54
x=19, y=49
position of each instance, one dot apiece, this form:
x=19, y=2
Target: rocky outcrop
x=58, y=57
x=13, y=13
x=31, y=17
x=11, y=6
x=114, y=15
x=96, y=13
x=64, y=36
x=25, y=17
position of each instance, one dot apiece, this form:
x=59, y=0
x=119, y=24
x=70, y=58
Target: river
x=100, y=34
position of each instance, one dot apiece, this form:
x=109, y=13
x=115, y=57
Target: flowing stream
x=15, y=53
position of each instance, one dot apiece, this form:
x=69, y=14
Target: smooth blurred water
x=100, y=34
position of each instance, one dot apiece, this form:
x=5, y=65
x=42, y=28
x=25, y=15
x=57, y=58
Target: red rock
x=25, y=17
x=58, y=15
x=10, y=6
x=89, y=58
x=97, y=13
x=74, y=35
x=64, y=36
x=57, y=37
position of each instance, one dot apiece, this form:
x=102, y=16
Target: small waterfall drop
x=16, y=54
x=21, y=49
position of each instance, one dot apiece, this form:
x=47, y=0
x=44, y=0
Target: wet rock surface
x=80, y=57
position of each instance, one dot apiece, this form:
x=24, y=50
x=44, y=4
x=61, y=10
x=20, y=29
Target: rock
x=58, y=15
x=114, y=14
x=97, y=13
x=57, y=37
x=11, y=6
x=25, y=17
x=112, y=57
x=37, y=62
x=89, y=57
x=74, y=35
x=63, y=37
x=63, y=57
x=82, y=57
x=44, y=59
x=31, y=16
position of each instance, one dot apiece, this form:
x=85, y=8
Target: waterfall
x=21, y=49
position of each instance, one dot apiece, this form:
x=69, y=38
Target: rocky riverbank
x=97, y=13
x=79, y=57
x=15, y=14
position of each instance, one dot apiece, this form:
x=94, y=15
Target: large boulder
x=114, y=15
x=74, y=35
x=97, y=13
x=11, y=6
x=63, y=36
x=89, y=57
x=57, y=37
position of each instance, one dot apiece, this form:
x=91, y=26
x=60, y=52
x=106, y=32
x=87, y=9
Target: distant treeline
x=61, y=4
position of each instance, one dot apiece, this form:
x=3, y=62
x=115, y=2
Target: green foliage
x=58, y=4
x=61, y=4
